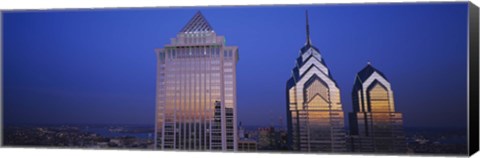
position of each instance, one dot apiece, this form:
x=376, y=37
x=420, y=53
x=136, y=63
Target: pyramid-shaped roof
x=301, y=60
x=367, y=71
x=364, y=74
x=197, y=24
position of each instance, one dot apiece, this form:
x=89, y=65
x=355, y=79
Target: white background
x=55, y=152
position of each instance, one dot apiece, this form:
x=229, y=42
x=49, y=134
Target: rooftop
x=198, y=23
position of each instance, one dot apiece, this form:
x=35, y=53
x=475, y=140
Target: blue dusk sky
x=98, y=66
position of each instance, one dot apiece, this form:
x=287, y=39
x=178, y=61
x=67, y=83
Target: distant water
x=105, y=132
x=137, y=131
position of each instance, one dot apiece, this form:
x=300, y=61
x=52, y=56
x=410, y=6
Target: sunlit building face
x=374, y=124
x=314, y=111
x=196, y=90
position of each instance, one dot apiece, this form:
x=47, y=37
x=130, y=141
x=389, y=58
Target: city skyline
x=417, y=55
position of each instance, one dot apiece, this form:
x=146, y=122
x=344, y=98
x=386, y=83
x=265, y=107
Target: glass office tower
x=196, y=90
x=314, y=112
x=374, y=124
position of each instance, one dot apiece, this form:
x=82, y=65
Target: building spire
x=308, y=28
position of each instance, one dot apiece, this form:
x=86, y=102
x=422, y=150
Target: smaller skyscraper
x=266, y=138
x=241, y=131
x=374, y=124
x=247, y=145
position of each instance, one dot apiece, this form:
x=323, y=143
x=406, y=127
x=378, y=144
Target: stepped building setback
x=315, y=117
x=375, y=126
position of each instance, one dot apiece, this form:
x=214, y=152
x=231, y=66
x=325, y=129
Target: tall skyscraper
x=196, y=90
x=314, y=111
x=374, y=124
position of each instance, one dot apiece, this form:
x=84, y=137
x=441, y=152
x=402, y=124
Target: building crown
x=197, y=24
x=308, y=43
x=367, y=71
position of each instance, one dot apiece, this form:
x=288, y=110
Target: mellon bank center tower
x=196, y=91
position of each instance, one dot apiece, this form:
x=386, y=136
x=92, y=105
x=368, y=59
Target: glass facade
x=315, y=117
x=374, y=124
x=196, y=90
